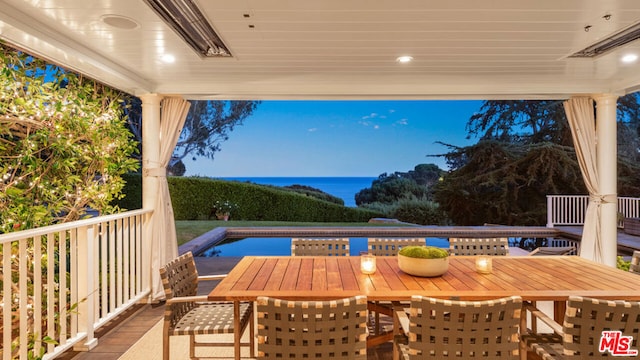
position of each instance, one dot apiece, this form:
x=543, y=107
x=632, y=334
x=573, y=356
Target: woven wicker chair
x=334, y=329
x=188, y=314
x=320, y=247
x=634, y=266
x=586, y=321
x=441, y=329
x=479, y=246
x=391, y=246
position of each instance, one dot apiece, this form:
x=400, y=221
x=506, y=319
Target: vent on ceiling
x=187, y=20
x=612, y=42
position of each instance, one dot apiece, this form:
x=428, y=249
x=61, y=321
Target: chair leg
x=377, y=320
x=192, y=346
x=523, y=330
x=165, y=345
x=252, y=335
x=396, y=331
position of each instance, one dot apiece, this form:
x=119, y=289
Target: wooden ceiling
x=340, y=49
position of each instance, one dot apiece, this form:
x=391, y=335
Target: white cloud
x=312, y=130
x=391, y=111
x=364, y=123
x=376, y=127
x=402, y=122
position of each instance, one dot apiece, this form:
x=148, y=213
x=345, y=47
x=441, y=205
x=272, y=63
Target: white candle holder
x=367, y=264
x=484, y=265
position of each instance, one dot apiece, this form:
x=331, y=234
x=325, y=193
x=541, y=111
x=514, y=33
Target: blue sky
x=339, y=138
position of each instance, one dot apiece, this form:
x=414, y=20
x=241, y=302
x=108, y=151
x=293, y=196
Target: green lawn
x=189, y=229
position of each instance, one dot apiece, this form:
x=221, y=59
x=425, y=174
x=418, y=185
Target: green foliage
x=193, y=197
x=622, y=264
x=507, y=184
x=419, y=211
x=526, y=153
x=521, y=121
x=316, y=193
x=63, y=144
x=388, y=188
x=412, y=210
x=423, y=252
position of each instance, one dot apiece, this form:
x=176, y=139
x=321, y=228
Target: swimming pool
x=282, y=246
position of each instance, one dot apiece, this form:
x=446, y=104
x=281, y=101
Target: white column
x=150, y=147
x=607, y=157
x=150, y=184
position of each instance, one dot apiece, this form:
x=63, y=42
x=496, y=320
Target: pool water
x=282, y=247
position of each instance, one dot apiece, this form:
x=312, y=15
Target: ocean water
x=345, y=188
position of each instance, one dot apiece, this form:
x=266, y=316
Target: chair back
x=634, y=266
x=479, y=246
x=320, y=247
x=335, y=329
x=590, y=324
x=391, y=246
x=464, y=329
x=179, y=278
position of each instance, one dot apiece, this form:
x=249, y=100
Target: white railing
x=571, y=209
x=62, y=282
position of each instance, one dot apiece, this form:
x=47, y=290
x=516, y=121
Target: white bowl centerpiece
x=426, y=261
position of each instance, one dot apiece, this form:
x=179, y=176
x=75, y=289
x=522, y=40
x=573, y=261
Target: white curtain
x=580, y=113
x=164, y=244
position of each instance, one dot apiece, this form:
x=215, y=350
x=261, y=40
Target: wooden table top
x=533, y=278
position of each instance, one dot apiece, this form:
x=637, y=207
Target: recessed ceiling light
x=629, y=58
x=404, y=59
x=168, y=58
x=119, y=21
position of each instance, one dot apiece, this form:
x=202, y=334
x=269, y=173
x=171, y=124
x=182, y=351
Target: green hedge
x=193, y=198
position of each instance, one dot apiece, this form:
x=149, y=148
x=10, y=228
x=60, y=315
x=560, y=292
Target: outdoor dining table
x=539, y=278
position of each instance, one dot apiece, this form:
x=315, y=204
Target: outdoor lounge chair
x=391, y=246
x=592, y=328
x=553, y=250
x=439, y=329
x=320, y=247
x=479, y=246
x=334, y=329
x=188, y=314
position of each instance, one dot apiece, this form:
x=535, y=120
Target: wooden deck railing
x=571, y=209
x=62, y=282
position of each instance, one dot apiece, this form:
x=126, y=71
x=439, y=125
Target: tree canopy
x=388, y=188
x=206, y=127
x=64, y=144
x=525, y=152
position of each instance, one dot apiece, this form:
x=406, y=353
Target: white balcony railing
x=571, y=209
x=62, y=282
